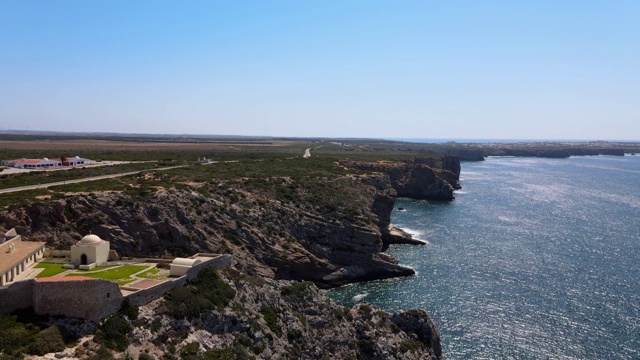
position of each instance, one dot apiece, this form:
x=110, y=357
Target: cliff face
x=431, y=178
x=265, y=319
x=329, y=231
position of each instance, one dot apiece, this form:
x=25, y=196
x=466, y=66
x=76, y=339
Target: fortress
x=83, y=296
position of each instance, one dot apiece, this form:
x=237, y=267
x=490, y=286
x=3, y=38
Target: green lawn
x=49, y=269
x=121, y=274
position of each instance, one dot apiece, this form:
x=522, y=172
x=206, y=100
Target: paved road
x=74, y=181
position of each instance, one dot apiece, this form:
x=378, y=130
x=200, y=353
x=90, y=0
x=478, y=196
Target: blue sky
x=393, y=69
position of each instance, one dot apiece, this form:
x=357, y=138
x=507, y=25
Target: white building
x=180, y=266
x=17, y=256
x=89, y=252
x=45, y=163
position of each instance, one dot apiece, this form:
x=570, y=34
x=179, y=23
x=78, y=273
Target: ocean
x=535, y=258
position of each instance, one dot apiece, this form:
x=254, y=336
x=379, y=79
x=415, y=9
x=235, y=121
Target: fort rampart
x=91, y=299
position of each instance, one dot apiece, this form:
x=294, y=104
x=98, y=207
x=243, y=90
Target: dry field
x=136, y=145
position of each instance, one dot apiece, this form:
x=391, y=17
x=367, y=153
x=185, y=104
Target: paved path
x=75, y=181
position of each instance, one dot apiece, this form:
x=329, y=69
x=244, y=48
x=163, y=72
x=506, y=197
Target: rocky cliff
x=252, y=317
x=431, y=178
x=329, y=230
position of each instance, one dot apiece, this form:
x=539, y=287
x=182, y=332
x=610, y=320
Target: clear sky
x=506, y=69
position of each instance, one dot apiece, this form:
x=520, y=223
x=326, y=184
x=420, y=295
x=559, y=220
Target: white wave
x=359, y=297
x=412, y=232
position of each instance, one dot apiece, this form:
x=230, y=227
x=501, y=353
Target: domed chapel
x=89, y=252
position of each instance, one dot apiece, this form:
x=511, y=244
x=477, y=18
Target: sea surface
x=534, y=259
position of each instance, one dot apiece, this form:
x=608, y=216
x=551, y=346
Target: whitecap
x=359, y=297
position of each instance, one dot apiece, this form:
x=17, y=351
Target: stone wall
x=145, y=296
x=92, y=299
x=18, y=295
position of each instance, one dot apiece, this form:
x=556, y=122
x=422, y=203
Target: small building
x=89, y=252
x=45, y=163
x=180, y=266
x=17, y=256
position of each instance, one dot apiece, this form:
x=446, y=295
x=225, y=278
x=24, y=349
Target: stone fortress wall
x=91, y=299
x=145, y=296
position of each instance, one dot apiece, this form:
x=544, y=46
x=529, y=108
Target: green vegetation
x=49, y=269
x=36, y=177
x=113, y=333
x=121, y=274
x=28, y=336
x=270, y=316
x=297, y=290
x=255, y=161
x=410, y=345
x=206, y=292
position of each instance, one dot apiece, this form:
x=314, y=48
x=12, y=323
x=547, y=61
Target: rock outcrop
x=263, y=319
x=430, y=178
x=326, y=231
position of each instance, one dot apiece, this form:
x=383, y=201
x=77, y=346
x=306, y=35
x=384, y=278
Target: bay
x=535, y=258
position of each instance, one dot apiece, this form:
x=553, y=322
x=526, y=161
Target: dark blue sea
x=534, y=259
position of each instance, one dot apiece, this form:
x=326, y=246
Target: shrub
x=46, y=341
x=270, y=316
x=296, y=289
x=410, y=345
x=144, y=356
x=113, y=333
x=190, y=351
x=128, y=310
x=101, y=354
x=206, y=292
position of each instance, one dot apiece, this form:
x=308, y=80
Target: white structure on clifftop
x=17, y=256
x=181, y=266
x=89, y=252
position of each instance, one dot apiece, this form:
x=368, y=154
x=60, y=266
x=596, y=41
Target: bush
x=101, y=354
x=143, y=356
x=206, y=292
x=128, y=310
x=410, y=345
x=47, y=341
x=190, y=351
x=15, y=335
x=113, y=333
x=270, y=316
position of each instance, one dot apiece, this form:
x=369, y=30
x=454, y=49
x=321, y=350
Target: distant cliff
x=432, y=178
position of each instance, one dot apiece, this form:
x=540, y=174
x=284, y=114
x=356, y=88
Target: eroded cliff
x=236, y=316
x=329, y=230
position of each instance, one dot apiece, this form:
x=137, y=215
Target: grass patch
x=121, y=274
x=49, y=269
